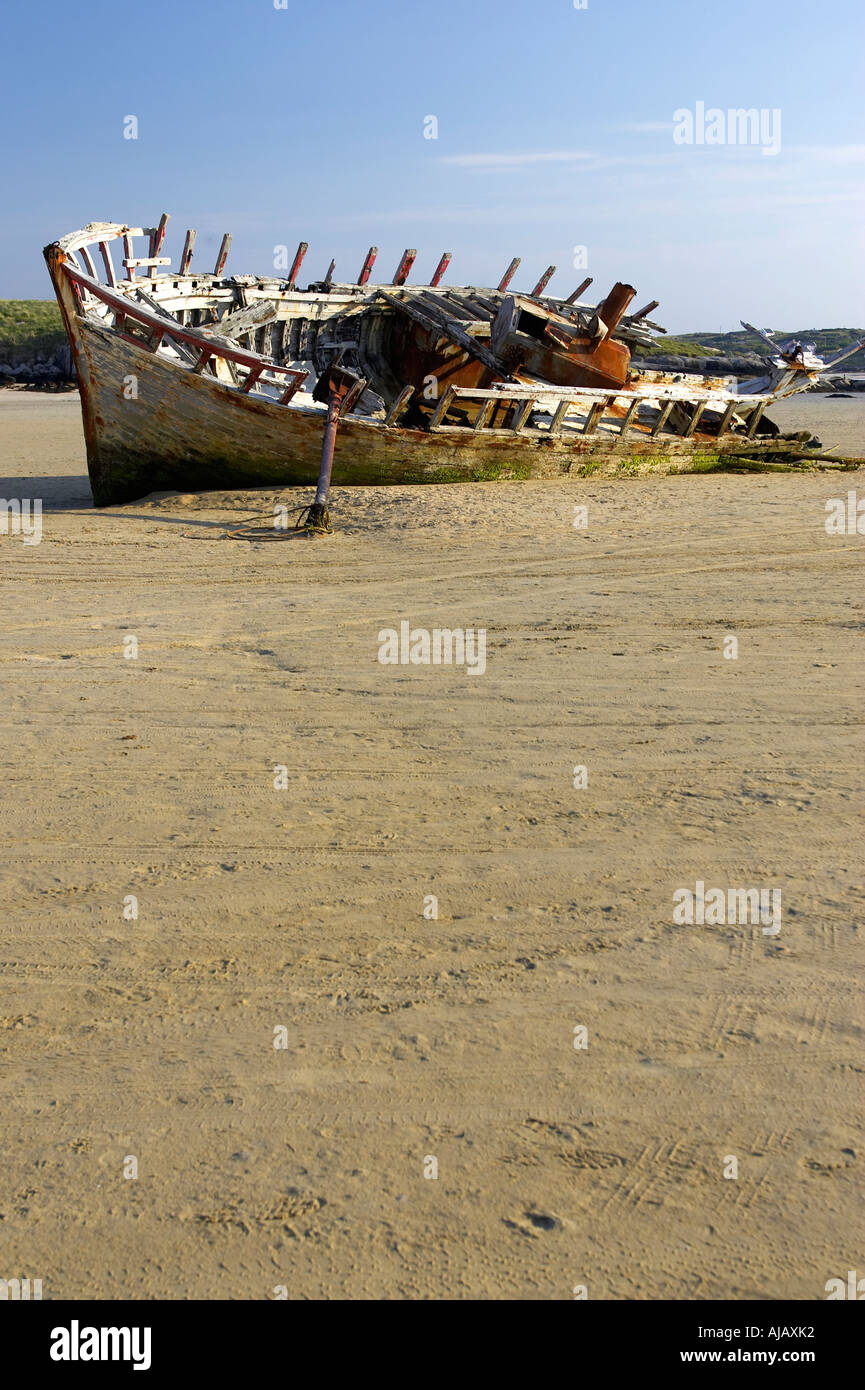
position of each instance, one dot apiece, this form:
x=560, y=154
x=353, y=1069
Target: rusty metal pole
x=317, y=518
x=340, y=388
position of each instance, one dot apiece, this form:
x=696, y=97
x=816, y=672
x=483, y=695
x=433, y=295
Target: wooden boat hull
x=190, y=433
x=172, y=399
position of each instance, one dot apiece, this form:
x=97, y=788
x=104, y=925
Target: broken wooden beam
x=436, y=319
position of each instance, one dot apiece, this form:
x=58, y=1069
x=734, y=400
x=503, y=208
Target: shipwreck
x=195, y=381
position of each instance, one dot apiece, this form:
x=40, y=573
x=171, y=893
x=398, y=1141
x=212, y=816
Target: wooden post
x=223, y=254
x=157, y=240
x=128, y=248
x=441, y=268
x=188, y=247
x=509, y=274
x=572, y=298
x=296, y=263
x=366, y=269
x=406, y=262
x=543, y=282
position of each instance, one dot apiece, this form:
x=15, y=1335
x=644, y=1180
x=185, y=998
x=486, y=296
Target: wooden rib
x=446, y=303
x=442, y=407
x=84, y=253
x=399, y=405
x=560, y=412
x=755, y=420
x=484, y=414
x=631, y=412
x=662, y=417
x=523, y=413
x=292, y=387
x=727, y=417
x=695, y=419
x=105, y=252
x=594, y=415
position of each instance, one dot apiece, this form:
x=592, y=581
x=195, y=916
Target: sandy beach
x=281, y=1039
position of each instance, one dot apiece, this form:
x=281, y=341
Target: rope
x=317, y=522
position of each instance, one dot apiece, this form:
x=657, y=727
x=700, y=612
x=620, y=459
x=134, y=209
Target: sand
x=266, y=1170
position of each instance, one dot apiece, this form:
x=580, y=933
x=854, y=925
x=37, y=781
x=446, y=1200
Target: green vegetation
x=34, y=324
x=29, y=327
x=826, y=341
x=676, y=347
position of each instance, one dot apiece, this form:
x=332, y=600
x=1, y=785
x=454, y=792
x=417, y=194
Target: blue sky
x=555, y=131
